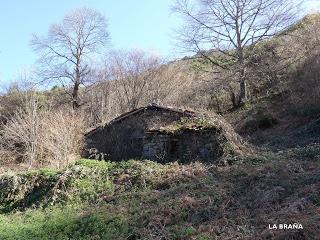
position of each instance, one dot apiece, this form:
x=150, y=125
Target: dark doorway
x=135, y=148
x=174, y=149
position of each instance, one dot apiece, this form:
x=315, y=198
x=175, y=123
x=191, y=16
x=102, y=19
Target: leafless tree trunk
x=66, y=52
x=131, y=73
x=224, y=32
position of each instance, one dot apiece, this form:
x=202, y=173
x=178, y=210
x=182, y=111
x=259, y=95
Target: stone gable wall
x=185, y=146
x=124, y=139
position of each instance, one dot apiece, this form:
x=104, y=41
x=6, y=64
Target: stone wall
x=186, y=146
x=122, y=140
x=156, y=147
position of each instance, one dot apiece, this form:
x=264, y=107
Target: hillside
x=284, y=89
x=145, y=200
x=46, y=192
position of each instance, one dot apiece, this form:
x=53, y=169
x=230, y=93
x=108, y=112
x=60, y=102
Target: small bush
x=41, y=137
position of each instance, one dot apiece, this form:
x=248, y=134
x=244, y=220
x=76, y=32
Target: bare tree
x=66, y=51
x=22, y=134
x=62, y=137
x=225, y=32
x=132, y=73
x=100, y=102
x=41, y=136
x=131, y=79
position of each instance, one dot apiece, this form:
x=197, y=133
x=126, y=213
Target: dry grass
x=196, y=201
x=42, y=137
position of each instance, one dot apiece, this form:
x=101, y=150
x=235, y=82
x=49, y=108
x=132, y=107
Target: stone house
x=157, y=133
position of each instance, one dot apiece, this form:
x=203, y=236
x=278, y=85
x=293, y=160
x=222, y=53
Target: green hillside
x=146, y=200
x=47, y=193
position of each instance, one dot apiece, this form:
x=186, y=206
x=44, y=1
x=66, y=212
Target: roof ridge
x=149, y=106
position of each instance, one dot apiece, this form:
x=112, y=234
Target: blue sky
x=144, y=24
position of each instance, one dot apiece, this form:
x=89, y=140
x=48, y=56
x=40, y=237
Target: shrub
x=62, y=136
x=39, y=136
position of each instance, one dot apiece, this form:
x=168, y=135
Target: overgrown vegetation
x=40, y=136
x=146, y=200
x=277, y=182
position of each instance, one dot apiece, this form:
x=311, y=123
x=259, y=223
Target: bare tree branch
x=65, y=52
x=231, y=27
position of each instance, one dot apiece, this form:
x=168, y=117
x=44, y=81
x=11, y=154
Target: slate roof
x=141, y=109
x=152, y=106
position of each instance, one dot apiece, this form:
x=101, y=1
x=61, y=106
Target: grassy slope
x=131, y=200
